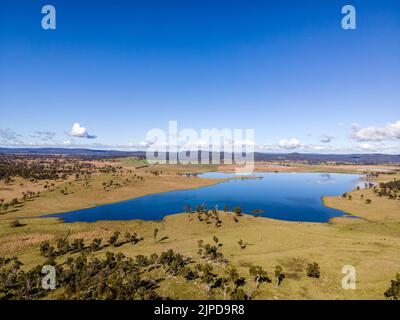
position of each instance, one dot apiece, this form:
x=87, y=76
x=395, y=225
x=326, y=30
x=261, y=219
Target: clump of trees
x=113, y=277
x=42, y=167
x=64, y=246
x=18, y=284
x=390, y=190
x=208, y=216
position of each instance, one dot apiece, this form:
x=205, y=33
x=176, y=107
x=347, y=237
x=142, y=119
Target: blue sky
x=286, y=69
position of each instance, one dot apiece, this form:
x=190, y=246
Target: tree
x=216, y=240
x=63, y=245
x=259, y=275
x=155, y=232
x=77, y=245
x=238, y=211
x=206, y=275
x=113, y=241
x=188, y=273
x=132, y=237
x=46, y=250
x=279, y=275
x=96, y=244
x=393, y=293
x=242, y=244
x=233, y=276
x=313, y=270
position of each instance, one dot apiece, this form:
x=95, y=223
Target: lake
x=283, y=196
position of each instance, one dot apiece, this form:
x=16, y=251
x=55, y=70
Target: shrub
x=313, y=270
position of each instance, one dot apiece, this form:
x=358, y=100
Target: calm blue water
x=284, y=196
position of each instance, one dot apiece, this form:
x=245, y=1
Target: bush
x=313, y=270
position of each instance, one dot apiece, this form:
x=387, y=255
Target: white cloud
x=289, y=144
x=390, y=132
x=375, y=147
x=44, y=136
x=146, y=144
x=7, y=136
x=68, y=142
x=326, y=139
x=80, y=132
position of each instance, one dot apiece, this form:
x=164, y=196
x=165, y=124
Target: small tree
x=200, y=245
x=242, y=244
x=238, y=211
x=96, y=244
x=259, y=275
x=216, y=240
x=155, y=232
x=77, y=245
x=207, y=276
x=313, y=270
x=279, y=275
x=233, y=276
x=63, y=245
x=113, y=241
x=46, y=250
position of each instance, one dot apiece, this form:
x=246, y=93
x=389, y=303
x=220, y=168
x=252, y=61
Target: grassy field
x=78, y=196
x=371, y=244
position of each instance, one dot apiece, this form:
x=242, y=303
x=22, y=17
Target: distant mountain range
x=374, y=158
x=68, y=151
